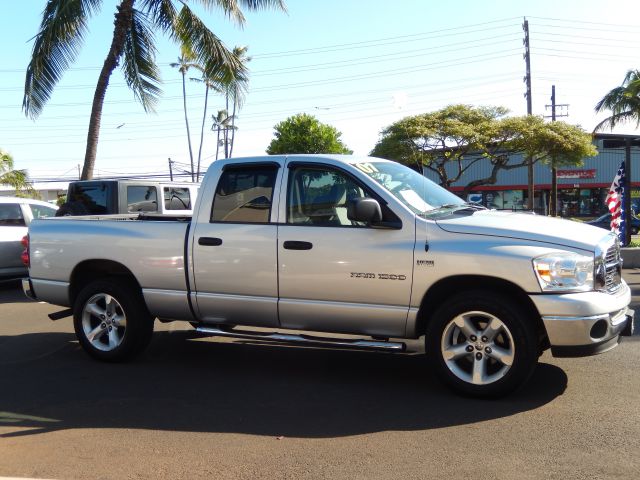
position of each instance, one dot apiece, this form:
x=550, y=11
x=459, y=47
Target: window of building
x=244, y=194
x=513, y=200
x=569, y=202
x=494, y=200
x=142, y=199
x=591, y=201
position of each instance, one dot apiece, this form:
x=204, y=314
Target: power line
x=330, y=48
x=587, y=22
x=418, y=68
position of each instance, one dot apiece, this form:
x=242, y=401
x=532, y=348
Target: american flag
x=615, y=203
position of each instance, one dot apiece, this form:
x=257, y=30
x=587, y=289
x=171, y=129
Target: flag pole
x=627, y=192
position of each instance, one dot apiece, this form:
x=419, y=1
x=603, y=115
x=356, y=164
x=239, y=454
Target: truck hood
x=524, y=226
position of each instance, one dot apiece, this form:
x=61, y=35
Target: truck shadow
x=198, y=385
x=11, y=292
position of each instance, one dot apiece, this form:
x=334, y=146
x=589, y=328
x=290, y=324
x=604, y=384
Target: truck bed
x=152, y=247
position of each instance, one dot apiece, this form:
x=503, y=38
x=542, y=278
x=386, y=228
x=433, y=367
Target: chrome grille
x=613, y=268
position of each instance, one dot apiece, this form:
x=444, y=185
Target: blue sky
x=358, y=65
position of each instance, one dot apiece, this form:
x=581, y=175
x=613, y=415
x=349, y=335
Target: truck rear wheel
x=111, y=320
x=481, y=344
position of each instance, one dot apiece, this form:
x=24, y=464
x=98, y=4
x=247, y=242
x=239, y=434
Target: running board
x=306, y=339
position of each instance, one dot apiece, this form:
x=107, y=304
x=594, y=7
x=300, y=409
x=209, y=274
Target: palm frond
x=229, y=7
x=161, y=12
x=185, y=63
x=623, y=102
x=139, y=67
x=263, y=4
x=232, y=10
x=617, y=118
x=207, y=48
x=17, y=179
x=238, y=82
x=56, y=46
x=611, y=100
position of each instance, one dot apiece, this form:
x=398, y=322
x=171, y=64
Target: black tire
x=72, y=209
x=98, y=314
x=500, y=359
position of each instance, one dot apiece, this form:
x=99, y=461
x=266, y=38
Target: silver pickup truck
x=340, y=245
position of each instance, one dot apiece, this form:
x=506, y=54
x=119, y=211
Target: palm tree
x=208, y=85
x=622, y=101
x=221, y=123
x=183, y=65
x=236, y=89
x=225, y=80
x=14, y=178
x=64, y=26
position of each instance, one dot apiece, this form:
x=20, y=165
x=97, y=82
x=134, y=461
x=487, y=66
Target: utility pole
x=79, y=173
x=170, y=170
x=527, y=79
x=554, y=172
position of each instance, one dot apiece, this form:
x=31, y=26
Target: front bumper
x=583, y=336
x=588, y=323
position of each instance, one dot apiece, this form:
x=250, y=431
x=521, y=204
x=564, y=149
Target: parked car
x=15, y=216
x=605, y=222
x=106, y=197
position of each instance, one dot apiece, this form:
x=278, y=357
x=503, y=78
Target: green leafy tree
x=16, y=179
x=235, y=89
x=623, y=102
x=65, y=24
x=451, y=141
x=303, y=133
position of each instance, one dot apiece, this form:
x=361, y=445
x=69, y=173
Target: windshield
x=418, y=193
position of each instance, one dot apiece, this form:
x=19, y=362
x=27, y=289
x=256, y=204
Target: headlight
x=564, y=272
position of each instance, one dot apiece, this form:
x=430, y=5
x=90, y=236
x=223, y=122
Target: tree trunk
x=226, y=128
x=204, y=119
x=218, y=143
x=123, y=19
x=233, y=126
x=186, y=121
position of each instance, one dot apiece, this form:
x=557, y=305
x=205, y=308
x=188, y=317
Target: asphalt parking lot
x=195, y=407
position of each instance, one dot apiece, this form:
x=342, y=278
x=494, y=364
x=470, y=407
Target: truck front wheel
x=481, y=344
x=111, y=321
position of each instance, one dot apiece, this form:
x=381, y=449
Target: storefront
x=582, y=190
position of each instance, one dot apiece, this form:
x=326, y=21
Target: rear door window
x=142, y=199
x=244, y=194
x=11, y=215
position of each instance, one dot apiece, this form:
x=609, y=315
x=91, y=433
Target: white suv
x=15, y=216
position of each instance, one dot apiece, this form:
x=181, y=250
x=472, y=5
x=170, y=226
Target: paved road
x=203, y=408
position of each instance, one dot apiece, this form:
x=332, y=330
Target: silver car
x=15, y=216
